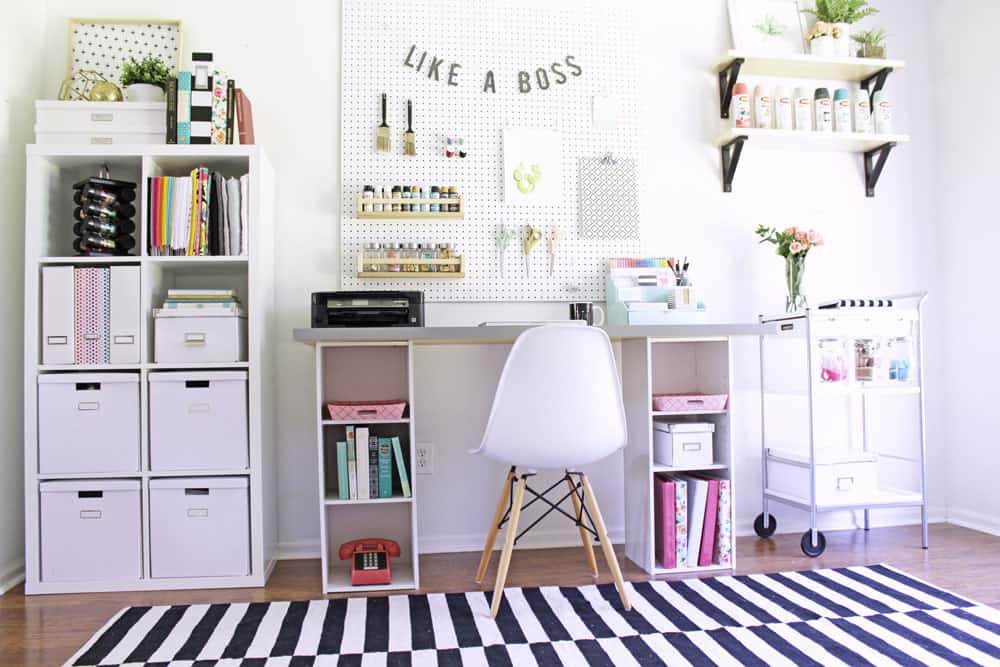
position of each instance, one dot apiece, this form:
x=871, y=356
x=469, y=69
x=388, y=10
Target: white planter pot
x=824, y=47
x=843, y=43
x=143, y=92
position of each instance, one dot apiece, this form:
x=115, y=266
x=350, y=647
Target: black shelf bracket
x=730, y=160
x=876, y=82
x=873, y=166
x=727, y=79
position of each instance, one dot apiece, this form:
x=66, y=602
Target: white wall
x=19, y=86
x=288, y=61
x=966, y=97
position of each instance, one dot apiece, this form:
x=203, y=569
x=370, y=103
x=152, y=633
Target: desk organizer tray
x=689, y=402
x=366, y=410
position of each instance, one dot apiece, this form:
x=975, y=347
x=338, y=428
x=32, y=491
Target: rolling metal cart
x=842, y=412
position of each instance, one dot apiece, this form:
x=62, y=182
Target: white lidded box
x=100, y=123
x=842, y=478
x=88, y=423
x=198, y=421
x=206, y=338
x=683, y=444
x=199, y=527
x=90, y=530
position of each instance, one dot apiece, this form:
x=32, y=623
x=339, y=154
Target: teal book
x=343, y=486
x=373, y=491
x=404, y=479
x=384, y=468
x=184, y=107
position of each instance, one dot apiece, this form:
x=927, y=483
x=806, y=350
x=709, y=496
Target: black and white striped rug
x=850, y=616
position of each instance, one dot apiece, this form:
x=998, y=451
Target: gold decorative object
x=104, y=91
x=88, y=84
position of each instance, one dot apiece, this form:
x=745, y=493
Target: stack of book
x=693, y=520
x=206, y=107
x=365, y=464
x=200, y=214
x=188, y=302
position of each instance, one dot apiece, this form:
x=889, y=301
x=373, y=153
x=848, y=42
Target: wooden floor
x=47, y=630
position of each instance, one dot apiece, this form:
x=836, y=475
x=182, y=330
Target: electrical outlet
x=425, y=458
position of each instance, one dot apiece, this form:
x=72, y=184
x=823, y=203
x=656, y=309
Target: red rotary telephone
x=370, y=566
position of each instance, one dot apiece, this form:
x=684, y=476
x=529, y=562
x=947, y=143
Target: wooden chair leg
x=491, y=536
x=588, y=547
x=602, y=533
x=508, y=546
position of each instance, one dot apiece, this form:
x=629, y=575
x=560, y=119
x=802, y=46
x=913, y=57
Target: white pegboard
x=505, y=37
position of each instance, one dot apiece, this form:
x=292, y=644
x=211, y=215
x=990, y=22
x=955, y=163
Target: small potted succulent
x=822, y=38
x=144, y=80
x=842, y=13
x=871, y=43
x=769, y=33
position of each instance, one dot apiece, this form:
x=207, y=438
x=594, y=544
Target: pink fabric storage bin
x=366, y=410
x=689, y=402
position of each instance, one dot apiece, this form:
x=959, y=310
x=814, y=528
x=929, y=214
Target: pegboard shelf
x=421, y=215
x=457, y=265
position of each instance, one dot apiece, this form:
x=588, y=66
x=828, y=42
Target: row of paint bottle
x=811, y=112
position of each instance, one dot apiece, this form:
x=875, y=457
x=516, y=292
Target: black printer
x=367, y=309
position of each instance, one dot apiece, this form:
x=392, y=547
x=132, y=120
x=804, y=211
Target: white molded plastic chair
x=558, y=405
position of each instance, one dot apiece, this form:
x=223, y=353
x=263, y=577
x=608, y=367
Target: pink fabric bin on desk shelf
x=689, y=402
x=366, y=410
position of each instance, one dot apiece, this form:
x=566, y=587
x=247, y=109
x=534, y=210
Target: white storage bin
x=88, y=423
x=198, y=421
x=199, y=527
x=683, y=444
x=81, y=122
x=202, y=339
x=90, y=530
x=840, y=478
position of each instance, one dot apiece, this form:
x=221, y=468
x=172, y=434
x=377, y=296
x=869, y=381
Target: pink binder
x=666, y=533
x=708, y=534
x=724, y=537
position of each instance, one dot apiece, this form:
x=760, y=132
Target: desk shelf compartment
x=365, y=372
x=455, y=264
x=388, y=214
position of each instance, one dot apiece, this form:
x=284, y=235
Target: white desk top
x=475, y=334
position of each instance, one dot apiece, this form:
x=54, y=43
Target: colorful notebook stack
x=201, y=214
x=181, y=302
x=694, y=521
x=365, y=465
x=206, y=107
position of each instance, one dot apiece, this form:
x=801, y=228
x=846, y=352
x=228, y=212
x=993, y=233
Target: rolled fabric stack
x=103, y=217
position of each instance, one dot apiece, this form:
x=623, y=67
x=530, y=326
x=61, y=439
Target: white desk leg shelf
x=352, y=372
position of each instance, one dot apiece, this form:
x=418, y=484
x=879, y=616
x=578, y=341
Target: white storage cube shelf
x=198, y=421
x=90, y=531
x=88, y=423
x=191, y=398
x=199, y=527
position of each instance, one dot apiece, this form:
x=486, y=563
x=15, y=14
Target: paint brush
x=409, y=138
x=383, y=135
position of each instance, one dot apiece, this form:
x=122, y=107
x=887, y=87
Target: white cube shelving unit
x=51, y=172
x=650, y=365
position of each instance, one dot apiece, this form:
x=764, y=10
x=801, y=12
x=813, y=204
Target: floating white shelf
x=847, y=142
x=800, y=66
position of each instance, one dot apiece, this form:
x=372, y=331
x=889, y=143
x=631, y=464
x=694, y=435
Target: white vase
x=843, y=43
x=143, y=92
x=824, y=47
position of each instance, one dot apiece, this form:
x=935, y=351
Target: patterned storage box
x=689, y=402
x=366, y=410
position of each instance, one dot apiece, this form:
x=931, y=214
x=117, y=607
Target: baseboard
x=986, y=523
x=536, y=539
x=11, y=575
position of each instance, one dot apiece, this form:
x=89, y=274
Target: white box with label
x=206, y=338
x=100, y=123
x=88, y=423
x=841, y=478
x=90, y=530
x=198, y=421
x=683, y=444
x=199, y=527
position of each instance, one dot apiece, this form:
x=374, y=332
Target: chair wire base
x=577, y=489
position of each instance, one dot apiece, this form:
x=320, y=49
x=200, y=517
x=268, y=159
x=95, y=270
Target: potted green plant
x=793, y=244
x=842, y=13
x=144, y=80
x=871, y=43
x=769, y=32
x=822, y=38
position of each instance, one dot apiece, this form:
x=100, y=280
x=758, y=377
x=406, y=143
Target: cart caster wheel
x=761, y=529
x=807, y=545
